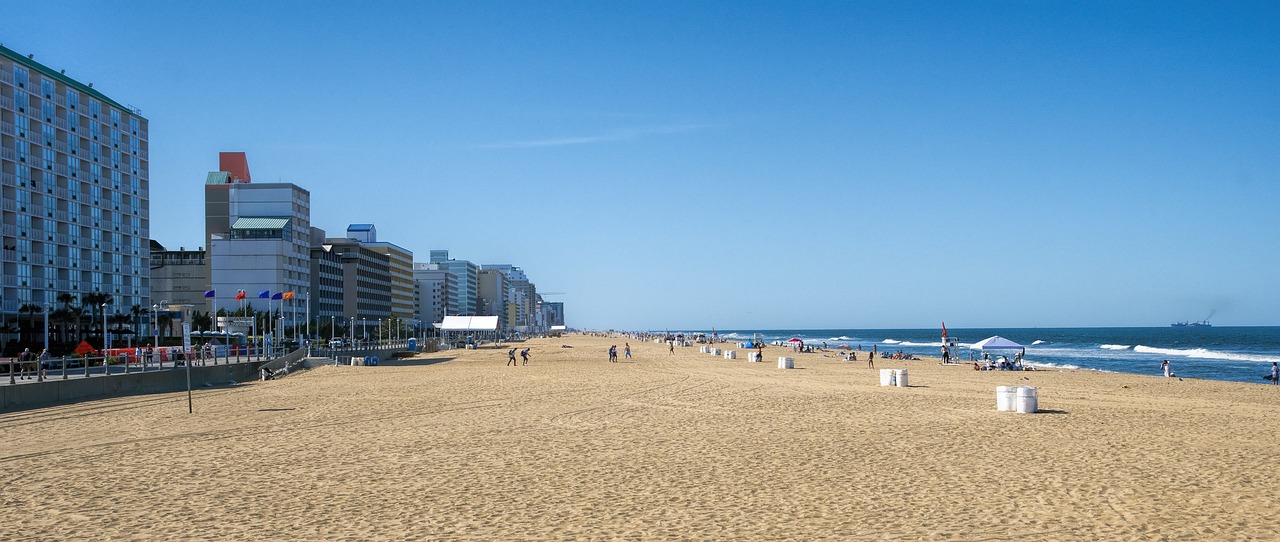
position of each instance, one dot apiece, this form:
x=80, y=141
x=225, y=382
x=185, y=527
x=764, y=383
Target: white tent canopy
x=995, y=344
x=469, y=323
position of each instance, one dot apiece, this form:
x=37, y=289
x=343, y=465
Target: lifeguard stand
x=951, y=345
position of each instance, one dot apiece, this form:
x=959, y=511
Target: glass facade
x=71, y=230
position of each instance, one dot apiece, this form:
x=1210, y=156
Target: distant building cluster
x=77, y=255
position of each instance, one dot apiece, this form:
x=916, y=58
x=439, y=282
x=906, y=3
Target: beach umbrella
x=844, y=347
x=996, y=343
x=794, y=340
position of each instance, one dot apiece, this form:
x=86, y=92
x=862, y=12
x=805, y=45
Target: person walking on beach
x=613, y=354
x=1275, y=373
x=627, y=351
x=1168, y=371
x=671, y=347
x=946, y=355
x=511, y=357
x=525, y=355
x=871, y=359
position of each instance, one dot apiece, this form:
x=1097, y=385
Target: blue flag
x=264, y=294
x=209, y=293
x=278, y=295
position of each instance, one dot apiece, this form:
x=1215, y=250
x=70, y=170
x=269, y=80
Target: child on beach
x=511, y=357
x=525, y=354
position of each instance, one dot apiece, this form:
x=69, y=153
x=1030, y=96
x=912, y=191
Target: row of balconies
x=9, y=179
x=62, y=146
x=59, y=99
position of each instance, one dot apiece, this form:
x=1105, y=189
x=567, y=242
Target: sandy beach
x=455, y=445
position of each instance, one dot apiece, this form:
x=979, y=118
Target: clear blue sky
x=740, y=164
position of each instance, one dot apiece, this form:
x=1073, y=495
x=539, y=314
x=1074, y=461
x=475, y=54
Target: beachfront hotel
x=399, y=266
x=258, y=239
x=76, y=211
x=467, y=275
x=434, y=287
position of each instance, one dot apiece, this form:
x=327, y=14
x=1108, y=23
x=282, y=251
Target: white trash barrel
x=715, y=351
x=1027, y=400
x=786, y=363
x=730, y=354
x=902, y=377
x=1004, y=398
x=702, y=350
x=886, y=377
x=755, y=357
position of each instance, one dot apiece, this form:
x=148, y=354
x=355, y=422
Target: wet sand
x=455, y=445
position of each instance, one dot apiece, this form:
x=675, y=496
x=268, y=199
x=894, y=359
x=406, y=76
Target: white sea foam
x=1047, y=365
x=1037, y=342
x=1116, y=347
x=908, y=343
x=1204, y=353
x=891, y=341
x=841, y=338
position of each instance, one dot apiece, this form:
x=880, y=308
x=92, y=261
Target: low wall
x=55, y=390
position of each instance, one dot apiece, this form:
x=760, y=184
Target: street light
x=46, y=327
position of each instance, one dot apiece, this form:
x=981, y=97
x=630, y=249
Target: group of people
x=27, y=362
x=511, y=356
x=1004, y=364
x=613, y=352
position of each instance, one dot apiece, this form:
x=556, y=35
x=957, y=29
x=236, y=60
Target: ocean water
x=1242, y=354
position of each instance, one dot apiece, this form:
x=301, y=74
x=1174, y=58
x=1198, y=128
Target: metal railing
x=123, y=363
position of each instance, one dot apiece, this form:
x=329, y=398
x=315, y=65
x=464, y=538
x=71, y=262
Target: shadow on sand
x=414, y=362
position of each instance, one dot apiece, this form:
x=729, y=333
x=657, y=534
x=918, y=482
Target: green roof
x=218, y=177
x=50, y=72
x=258, y=223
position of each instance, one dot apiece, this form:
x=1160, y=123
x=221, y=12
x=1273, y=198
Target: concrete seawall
x=54, y=391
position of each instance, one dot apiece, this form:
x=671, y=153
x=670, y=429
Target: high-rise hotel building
x=75, y=215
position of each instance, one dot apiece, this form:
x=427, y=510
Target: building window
x=48, y=88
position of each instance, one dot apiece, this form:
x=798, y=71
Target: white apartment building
x=75, y=217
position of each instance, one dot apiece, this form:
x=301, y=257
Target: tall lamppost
x=332, y=329
x=155, y=330
x=46, y=327
x=379, y=331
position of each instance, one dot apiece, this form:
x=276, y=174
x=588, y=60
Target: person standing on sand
x=760, y=352
x=627, y=351
x=871, y=359
x=1275, y=372
x=671, y=347
x=525, y=354
x=511, y=357
x=1164, y=366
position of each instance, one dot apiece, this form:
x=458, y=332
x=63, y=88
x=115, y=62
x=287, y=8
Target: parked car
x=336, y=343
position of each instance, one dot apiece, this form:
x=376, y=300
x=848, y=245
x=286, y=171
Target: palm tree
x=76, y=316
x=95, y=301
x=67, y=300
x=32, y=310
x=163, y=321
x=137, y=312
x=60, y=319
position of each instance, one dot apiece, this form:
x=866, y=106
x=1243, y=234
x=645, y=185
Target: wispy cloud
x=615, y=135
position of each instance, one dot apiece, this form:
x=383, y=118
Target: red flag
x=240, y=295
x=944, y=329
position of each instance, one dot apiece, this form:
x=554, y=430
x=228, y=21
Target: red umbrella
x=794, y=340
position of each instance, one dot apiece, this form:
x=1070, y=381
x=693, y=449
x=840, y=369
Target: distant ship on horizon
x=1202, y=323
